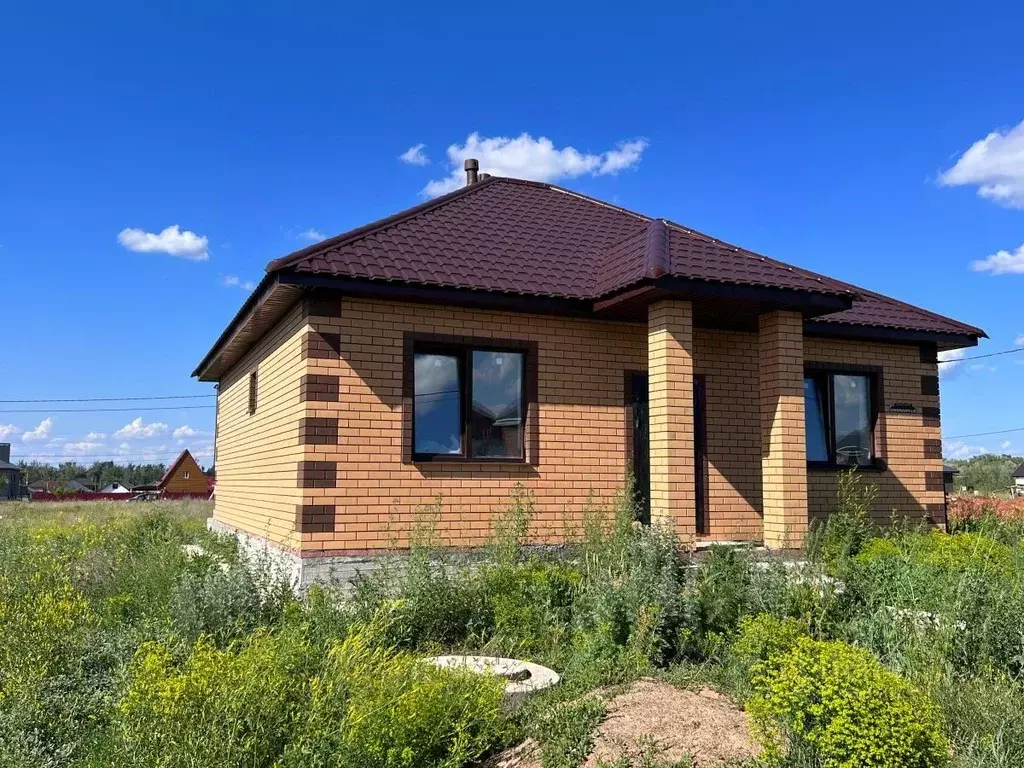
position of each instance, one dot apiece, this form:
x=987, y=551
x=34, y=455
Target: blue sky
x=833, y=138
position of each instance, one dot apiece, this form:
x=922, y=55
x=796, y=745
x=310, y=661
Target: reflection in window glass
x=496, y=418
x=852, y=420
x=814, y=416
x=437, y=406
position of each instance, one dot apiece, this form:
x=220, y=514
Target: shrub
x=719, y=596
x=765, y=636
x=371, y=708
x=529, y=605
x=839, y=704
x=628, y=612
x=565, y=731
x=236, y=707
x=848, y=527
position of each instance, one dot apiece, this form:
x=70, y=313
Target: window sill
x=462, y=460
x=878, y=465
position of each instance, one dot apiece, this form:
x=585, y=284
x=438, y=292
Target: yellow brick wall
x=584, y=435
x=783, y=445
x=728, y=362
x=670, y=354
x=257, y=454
x=899, y=438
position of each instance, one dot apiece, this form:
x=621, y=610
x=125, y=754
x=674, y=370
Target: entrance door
x=642, y=450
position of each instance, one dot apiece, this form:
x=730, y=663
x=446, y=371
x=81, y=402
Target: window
x=468, y=403
x=186, y=474
x=252, y=393
x=839, y=411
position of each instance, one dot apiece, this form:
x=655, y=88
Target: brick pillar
x=670, y=388
x=783, y=437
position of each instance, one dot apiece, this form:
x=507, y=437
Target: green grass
x=117, y=648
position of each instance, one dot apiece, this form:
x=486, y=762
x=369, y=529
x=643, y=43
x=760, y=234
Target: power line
x=108, y=399
x=982, y=357
x=983, y=434
x=98, y=410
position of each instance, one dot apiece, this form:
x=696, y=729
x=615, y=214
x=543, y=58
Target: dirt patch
x=670, y=724
x=657, y=720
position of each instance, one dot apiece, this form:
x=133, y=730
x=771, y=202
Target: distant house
x=10, y=474
x=55, y=486
x=116, y=488
x=183, y=476
x=1018, y=482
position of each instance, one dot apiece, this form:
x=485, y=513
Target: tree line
x=99, y=475
x=987, y=473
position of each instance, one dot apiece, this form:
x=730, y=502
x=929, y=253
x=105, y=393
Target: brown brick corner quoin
x=718, y=339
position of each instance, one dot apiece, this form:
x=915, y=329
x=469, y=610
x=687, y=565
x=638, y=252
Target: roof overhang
x=267, y=304
x=943, y=341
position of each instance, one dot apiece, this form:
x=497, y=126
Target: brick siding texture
x=257, y=454
x=670, y=386
x=783, y=441
x=906, y=441
x=379, y=494
x=278, y=460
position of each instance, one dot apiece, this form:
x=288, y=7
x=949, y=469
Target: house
x=58, y=486
x=184, y=476
x=10, y=475
x=518, y=332
x=1017, y=489
x=116, y=488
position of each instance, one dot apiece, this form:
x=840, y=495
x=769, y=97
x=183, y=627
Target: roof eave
x=943, y=339
x=270, y=299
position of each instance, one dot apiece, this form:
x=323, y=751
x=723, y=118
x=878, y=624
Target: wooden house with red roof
x=183, y=477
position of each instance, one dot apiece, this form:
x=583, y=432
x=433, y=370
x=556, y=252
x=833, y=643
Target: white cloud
x=172, y=241
x=1002, y=263
x=82, y=448
x=138, y=428
x=414, y=155
x=1019, y=341
x=957, y=449
x=234, y=281
x=202, y=452
x=312, y=234
x=7, y=430
x=1006, y=445
x=949, y=362
x=185, y=431
x=527, y=158
x=994, y=164
x=96, y=436
x=41, y=432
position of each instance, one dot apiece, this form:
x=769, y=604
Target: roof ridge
x=395, y=218
x=174, y=466
x=656, y=252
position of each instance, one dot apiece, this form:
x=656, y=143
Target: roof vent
x=484, y=176
x=472, y=165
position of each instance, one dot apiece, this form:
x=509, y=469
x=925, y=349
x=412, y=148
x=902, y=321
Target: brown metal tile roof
x=522, y=237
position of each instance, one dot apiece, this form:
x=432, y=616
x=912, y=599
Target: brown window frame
x=824, y=372
x=462, y=348
x=253, y=391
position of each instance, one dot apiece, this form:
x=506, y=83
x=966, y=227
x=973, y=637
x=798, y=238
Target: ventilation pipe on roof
x=472, y=165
